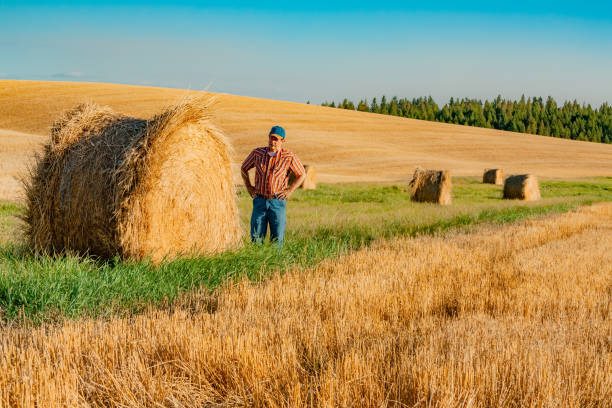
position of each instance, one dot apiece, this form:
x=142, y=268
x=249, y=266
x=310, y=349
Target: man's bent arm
x=285, y=194
x=248, y=163
x=247, y=183
x=297, y=183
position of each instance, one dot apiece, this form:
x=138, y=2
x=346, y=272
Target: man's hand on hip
x=284, y=195
x=252, y=191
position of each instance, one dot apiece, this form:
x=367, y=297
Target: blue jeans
x=273, y=212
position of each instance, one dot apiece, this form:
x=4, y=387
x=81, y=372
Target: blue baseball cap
x=278, y=131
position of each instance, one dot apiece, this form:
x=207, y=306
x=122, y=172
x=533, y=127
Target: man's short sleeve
x=248, y=163
x=297, y=167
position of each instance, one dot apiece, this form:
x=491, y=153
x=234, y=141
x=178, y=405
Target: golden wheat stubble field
x=16, y=149
x=343, y=145
x=512, y=316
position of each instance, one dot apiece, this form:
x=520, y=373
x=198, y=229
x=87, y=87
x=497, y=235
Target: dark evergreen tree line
x=532, y=115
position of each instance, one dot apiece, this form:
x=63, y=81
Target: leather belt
x=266, y=197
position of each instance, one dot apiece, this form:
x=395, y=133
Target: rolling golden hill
x=343, y=145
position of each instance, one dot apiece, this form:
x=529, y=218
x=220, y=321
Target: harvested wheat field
x=345, y=145
x=16, y=151
x=501, y=316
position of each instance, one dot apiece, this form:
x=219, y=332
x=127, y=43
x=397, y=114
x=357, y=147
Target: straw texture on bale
x=310, y=182
x=493, y=176
x=522, y=187
x=433, y=186
x=109, y=184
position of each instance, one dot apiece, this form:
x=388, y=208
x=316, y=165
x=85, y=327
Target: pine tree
x=363, y=106
x=393, y=107
x=384, y=109
x=374, y=106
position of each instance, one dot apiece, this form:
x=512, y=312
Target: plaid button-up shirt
x=272, y=172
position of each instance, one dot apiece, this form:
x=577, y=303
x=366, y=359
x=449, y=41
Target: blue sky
x=318, y=51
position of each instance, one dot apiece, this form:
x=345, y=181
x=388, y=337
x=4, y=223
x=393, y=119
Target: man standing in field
x=271, y=191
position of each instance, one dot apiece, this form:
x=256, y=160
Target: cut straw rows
x=513, y=316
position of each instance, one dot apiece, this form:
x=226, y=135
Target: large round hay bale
x=493, y=176
x=109, y=184
x=310, y=182
x=522, y=187
x=433, y=186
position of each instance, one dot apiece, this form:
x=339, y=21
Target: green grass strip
x=42, y=288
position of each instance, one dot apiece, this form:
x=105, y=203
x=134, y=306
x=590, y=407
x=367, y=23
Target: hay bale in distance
x=493, y=176
x=433, y=186
x=522, y=187
x=310, y=182
x=109, y=184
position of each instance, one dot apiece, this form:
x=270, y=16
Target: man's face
x=275, y=143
